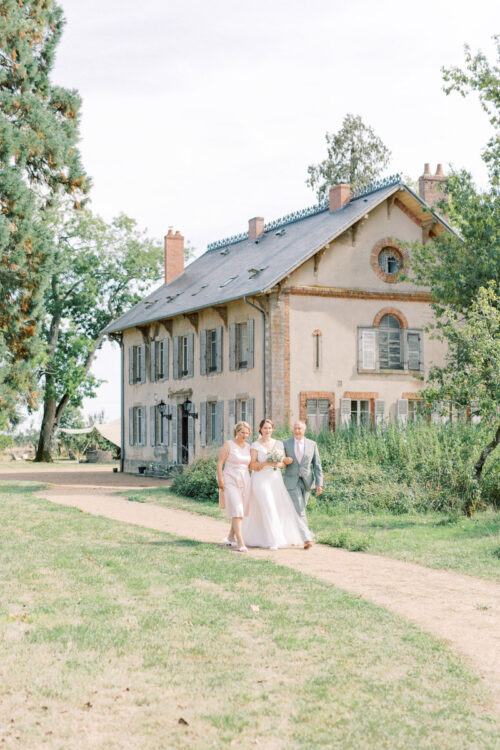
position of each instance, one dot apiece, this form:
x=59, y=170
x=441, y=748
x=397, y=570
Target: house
x=302, y=317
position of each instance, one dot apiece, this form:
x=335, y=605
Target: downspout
x=122, y=404
x=263, y=313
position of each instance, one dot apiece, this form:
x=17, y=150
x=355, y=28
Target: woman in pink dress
x=234, y=481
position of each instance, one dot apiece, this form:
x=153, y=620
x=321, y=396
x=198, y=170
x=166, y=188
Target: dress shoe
x=308, y=544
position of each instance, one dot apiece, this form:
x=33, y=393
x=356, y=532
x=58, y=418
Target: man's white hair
x=300, y=421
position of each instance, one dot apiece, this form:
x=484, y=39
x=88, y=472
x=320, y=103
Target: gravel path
x=458, y=609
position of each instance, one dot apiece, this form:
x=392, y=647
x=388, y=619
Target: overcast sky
x=200, y=115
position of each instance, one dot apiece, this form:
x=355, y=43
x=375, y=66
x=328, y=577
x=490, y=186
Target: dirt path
x=458, y=609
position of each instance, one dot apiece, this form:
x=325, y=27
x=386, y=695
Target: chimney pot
x=439, y=170
x=430, y=186
x=255, y=228
x=427, y=168
x=339, y=196
x=173, y=255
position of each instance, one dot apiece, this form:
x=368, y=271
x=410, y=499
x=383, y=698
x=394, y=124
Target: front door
x=184, y=435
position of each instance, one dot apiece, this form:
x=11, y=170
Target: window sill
x=405, y=373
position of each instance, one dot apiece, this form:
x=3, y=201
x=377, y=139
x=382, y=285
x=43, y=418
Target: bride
x=272, y=520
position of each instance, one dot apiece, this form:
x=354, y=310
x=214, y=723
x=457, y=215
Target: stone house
x=302, y=317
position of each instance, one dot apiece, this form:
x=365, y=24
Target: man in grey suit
x=302, y=468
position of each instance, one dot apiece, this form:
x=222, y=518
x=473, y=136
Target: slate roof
x=233, y=268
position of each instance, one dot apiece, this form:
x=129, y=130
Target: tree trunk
x=478, y=466
x=47, y=431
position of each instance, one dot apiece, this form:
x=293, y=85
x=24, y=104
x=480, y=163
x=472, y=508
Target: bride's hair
x=263, y=422
x=239, y=426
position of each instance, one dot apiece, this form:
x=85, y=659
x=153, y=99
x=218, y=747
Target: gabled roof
x=236, y=267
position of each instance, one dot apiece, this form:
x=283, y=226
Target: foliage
x=38, y=160
x=99, y=271
x=420, y=468
x=356, y=155
x=6, y=441
x=345, y=538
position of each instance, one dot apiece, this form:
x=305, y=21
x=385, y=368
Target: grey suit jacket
x=309, y=468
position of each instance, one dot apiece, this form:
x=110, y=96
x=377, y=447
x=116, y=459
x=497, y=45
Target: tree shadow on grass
x=178, y=543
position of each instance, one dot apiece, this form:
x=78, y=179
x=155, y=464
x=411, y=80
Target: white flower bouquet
x=275, y=456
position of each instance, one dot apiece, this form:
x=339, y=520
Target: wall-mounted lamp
x=187, y=408
x=162, y=408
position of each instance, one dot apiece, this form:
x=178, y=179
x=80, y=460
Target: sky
x=200, y=115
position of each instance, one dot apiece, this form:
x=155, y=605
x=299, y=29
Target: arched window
x=389, y=260
x=389, y=340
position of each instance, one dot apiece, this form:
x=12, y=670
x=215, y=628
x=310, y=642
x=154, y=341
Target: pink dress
x=237, y=480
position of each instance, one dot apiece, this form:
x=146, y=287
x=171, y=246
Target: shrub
x=199, y=481
x=346, y=538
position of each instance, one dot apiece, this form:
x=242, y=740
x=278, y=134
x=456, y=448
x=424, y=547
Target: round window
x=389, y=261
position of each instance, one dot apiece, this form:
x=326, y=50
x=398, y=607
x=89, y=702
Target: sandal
x=229, y=542
x=241, y=549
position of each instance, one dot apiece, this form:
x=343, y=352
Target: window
x=241, y=345
x=318, y=414
x=389, y=342
x=212, y=350
x=212, y=422
x=183, y=360
x=242, y=415
x=137, y=364
x=360, y=412
x=389, y=260
x=137, y=425
x=159, y=360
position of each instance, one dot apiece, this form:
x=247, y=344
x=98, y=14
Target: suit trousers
x=300, y=496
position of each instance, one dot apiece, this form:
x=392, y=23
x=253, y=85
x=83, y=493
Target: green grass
x=112, y=633
x=438, y=540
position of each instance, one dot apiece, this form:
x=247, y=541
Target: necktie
x=298, y=451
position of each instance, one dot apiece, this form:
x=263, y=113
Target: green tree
x=38, y=160
x=98, y=272
x=356, y=155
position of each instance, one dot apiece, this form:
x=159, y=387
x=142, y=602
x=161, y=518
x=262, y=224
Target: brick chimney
x=174, y=255
x=431, y=186
x=339, y=196
x=255, y=228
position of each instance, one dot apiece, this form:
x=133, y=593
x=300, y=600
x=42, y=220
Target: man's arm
x=318, y=471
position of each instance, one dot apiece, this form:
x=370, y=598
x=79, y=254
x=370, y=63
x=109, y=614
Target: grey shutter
x=176, y=358
x=231, y=418
x=152, y=425
x=345, y=412
x=402, y=410
x=131, y=425
x=250, y=342
x=190, y=349
x=219, y=422
x=232, y=346
x=367, y=348
x=131, y=366
x=191, y=437
x=174, y=432
x=166, y=425
x=414, y=348
x=152, y=367
x=143, y=363
x=203, y=424
x=166, y=359
x=203, y=351
x=144, y=439
x=218, y=347
x=250, y=414
x=379, y=411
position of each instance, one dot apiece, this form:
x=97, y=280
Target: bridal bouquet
x=275, y=456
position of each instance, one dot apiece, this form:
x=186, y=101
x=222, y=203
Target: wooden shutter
x=152, y=425
x=203, y=424
x=250, y=342
x=191, y=437
x=219, y=422
x=144, y=424
x=218, y=347
x=231, y=418
x=203, y=351
x=166, y=425
x=190, y=351
x=175, y=410
x=379, y=411
x=367, y=349
x=152, y=364
x=131, y=424
x=232, y=346
x=345, y=412
x=143, y=363
x=250, y=415
x=176, y=358
x=402, y=410
x=414, y=350
x=131, y=367
x=166, y=358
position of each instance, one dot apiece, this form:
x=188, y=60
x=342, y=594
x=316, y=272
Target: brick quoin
x=304, y=395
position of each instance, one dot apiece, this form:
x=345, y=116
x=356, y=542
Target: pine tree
x=38, y=160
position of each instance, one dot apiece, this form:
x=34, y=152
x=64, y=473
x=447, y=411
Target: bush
x=346, y=538
x=199, y=481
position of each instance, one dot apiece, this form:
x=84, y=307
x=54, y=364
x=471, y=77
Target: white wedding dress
x=272, y=520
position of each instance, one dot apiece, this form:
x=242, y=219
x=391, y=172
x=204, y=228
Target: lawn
x=438, y=540
x=117, y=637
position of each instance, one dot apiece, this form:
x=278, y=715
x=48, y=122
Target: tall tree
x=38, y=160
x=98, y=271
x=356, y=155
